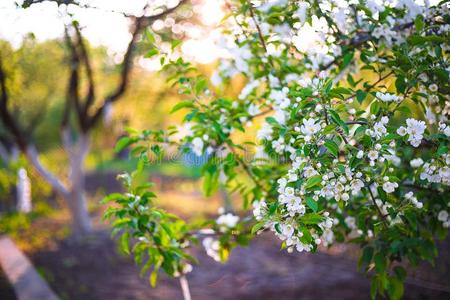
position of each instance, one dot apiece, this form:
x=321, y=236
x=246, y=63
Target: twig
x=260, y=35
x=185, y=287
x=383, y=217
x=246, y=167
x=359, y=40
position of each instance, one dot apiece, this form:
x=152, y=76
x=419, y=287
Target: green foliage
x=159, y=237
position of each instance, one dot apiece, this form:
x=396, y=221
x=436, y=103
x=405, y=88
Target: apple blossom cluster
x=414, y=131
x=314, y=36
x=330, y=141
x=227, y=221
x=387, y=97
x=212, y=247
x=437, y=170
x=410, y=196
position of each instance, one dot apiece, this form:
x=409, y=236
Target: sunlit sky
x=102, y=25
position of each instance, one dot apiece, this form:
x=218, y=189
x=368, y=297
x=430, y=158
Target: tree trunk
x=77, y=199
x=74, y=194
x=81, y=222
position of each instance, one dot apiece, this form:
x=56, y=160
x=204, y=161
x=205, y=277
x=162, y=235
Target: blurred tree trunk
x=77, y=196
x=81, y=222
x=74, y=192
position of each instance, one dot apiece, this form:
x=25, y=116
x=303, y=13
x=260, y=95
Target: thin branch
x=28, y=3
x=246, y=167
x=368, y=88
x=260, y=35
x=185, y=287
x=359, y=40
x=356, y=123
x=380, y=213
x=421, y=188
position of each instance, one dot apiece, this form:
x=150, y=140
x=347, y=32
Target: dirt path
x=6, y=290
x=93, y=270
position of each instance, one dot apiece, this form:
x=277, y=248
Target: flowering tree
x=351, y=101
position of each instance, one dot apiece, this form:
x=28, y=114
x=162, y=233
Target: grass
x=37, y=229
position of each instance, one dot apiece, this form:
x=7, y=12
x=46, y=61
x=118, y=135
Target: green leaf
x=112, y=197
x=271, y=120
x=373, y=288
x=348, y=57
x=312, y=181
x=366, y=257
x=149, y=35
x=395, y=288
x=182, y=104
x=337, y=119
x=175, y=43
x=151, y=53
x=374, y=107
x=210, y=183
x=329, y=129
x=311, y=219
x=341, y=90
x=257, y=227
x=153, y=278
x=125, y=242
x=123, y=143
x=418, y=23
x=312, y=204
x=360, y=96
x=380, y=262
x=400, y=84
x=442, y=150
x=332, y=147
x=278, y=228
x=200, y=86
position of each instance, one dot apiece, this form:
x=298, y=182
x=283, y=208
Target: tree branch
x=89, y=73
x=358, y=40
x=73, y=96
x=380, y=213
x=28, y=3
x=33, y=157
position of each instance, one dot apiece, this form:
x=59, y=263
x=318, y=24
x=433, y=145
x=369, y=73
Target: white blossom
x=389, y=187
x=417, y=162
x=197, y=146
x=212, y=247
x=310, y=127
x=227, y=220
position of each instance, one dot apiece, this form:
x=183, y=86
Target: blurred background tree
x=57, y=96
